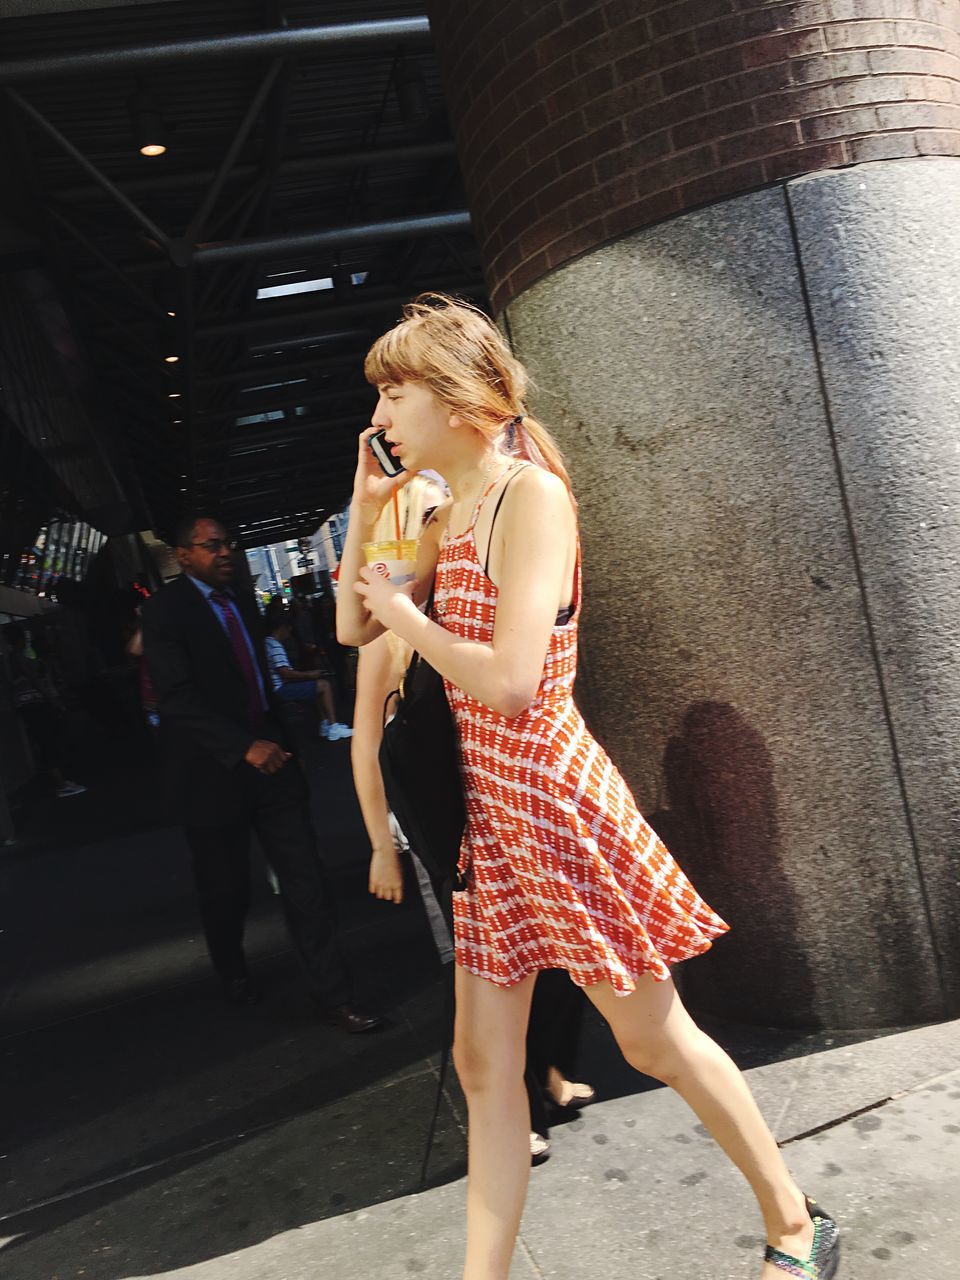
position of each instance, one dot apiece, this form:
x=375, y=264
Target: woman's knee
x=665, y=1058
x=642, y=1055
x=481, y=1069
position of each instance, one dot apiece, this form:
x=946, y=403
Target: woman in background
x=380, y=668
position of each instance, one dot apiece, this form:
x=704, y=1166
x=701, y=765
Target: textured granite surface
x=881, y=255
x=730, y=663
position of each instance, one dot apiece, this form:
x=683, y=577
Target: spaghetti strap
x=511, y=471
x=496, y=511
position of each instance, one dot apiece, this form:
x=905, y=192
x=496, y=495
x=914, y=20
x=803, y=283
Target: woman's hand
x=386, y=874
x=371, y=488
x=382, y=599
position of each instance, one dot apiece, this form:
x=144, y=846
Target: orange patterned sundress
x=564, y=872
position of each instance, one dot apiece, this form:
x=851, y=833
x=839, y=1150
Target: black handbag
x=420, y=763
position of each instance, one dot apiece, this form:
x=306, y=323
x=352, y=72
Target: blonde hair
x=415, y=499
x=457, y=351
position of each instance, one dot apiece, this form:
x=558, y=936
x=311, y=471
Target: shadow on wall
x=722, y=826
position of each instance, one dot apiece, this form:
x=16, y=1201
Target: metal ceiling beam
x=272, y=346
x=253, y=44
x=111, y=188
x=257, y=376
x=354, y=159
x=315, y=474
x=429, y=224
x=259, y=523
x=262, y=501
x=247, y=469
x=284, y=434
x=198, y=221
x=108, y=263
x=290, y=320
x=317, y=396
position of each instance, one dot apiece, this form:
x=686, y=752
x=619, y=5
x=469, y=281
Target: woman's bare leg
x=659, y=1038
x=489, y=1052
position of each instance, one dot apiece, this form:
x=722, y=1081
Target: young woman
x=564, y=872
x=380, y=669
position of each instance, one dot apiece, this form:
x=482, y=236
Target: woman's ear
x=456, y=421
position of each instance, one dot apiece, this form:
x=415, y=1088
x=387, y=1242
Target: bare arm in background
x=377, y=676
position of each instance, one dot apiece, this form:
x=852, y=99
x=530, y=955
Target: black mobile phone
x=389, y=463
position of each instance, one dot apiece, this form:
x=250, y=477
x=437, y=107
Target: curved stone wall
x=759, y=403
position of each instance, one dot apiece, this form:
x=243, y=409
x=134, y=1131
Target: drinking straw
x=396, y=513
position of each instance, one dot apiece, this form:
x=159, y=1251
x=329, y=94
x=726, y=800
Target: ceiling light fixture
x=411, y=91
x=148, y=130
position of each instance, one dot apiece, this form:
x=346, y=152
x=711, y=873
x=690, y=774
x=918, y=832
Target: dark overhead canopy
x=307, y=145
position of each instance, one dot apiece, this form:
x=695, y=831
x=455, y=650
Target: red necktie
x=242, y=654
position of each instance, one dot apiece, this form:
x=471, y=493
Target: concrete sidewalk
x=150, y=1131
x=873, y=1130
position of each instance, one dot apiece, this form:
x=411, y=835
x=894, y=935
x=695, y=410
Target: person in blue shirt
x=290, y=685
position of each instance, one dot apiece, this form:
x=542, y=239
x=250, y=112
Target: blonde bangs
x=395, y=357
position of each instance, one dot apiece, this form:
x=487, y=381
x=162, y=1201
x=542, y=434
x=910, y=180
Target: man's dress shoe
x=347, y=1017
x=242, y=992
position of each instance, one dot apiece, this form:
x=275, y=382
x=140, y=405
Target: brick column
x=579, y=121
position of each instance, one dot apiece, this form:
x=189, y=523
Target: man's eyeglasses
x=213, y=545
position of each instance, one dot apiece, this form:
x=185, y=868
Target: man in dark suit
x=230, y=772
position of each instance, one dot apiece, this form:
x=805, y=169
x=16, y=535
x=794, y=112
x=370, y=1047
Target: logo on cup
x=381, y=568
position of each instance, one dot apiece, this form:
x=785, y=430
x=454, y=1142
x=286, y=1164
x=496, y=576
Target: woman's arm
x=376, y=678
x=537, y=536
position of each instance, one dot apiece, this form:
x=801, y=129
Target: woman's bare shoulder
x=538, y=494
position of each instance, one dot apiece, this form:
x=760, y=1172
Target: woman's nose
x=381, y=418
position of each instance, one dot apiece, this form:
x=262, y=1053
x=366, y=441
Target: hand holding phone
x=389, y=463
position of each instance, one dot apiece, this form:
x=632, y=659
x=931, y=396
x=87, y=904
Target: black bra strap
x=496, y=512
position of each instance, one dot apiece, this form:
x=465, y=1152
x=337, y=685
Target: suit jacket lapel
x=199, y=607
x=200, y=612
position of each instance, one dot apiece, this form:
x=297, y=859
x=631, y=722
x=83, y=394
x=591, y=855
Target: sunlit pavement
x=151, y=1131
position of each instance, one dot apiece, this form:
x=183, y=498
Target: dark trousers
x=278, y=811
x=553, y=1035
